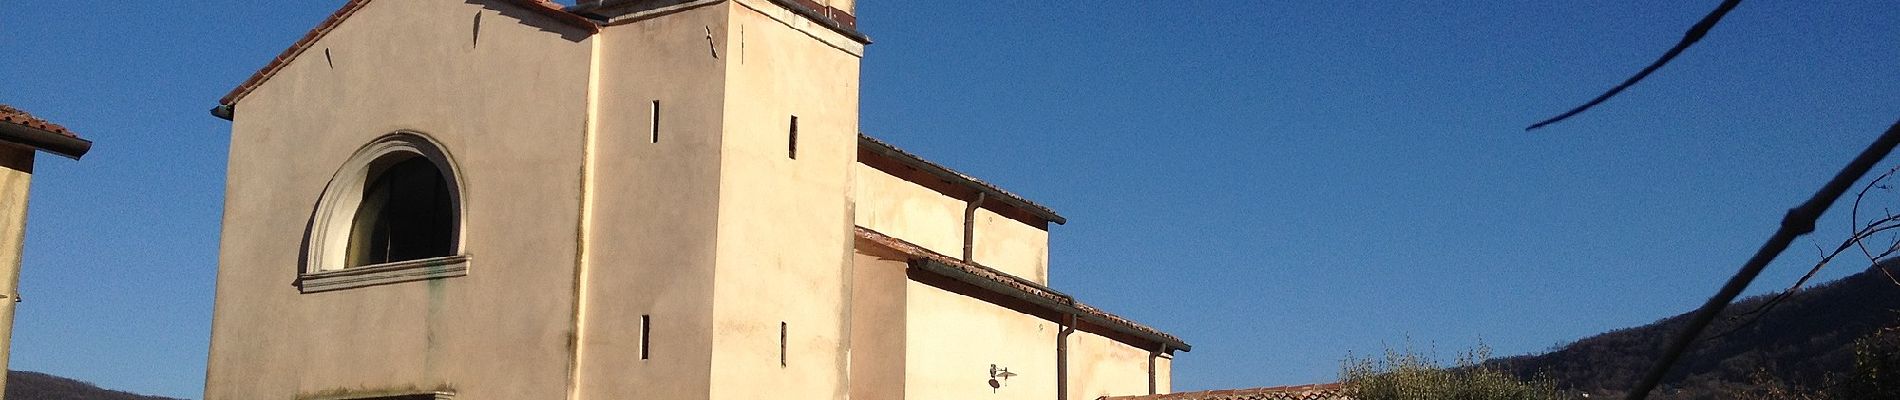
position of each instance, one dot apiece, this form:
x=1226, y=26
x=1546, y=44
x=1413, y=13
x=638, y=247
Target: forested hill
x=24, y=385
x=1799, y=343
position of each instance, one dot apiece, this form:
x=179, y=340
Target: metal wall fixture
x=999, y=377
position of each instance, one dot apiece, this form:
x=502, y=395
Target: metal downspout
x=1153, y=387
x=969, y=225
x=1062, y=356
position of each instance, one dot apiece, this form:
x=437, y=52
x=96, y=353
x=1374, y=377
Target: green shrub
x=1876, y=373
x=1410, y=376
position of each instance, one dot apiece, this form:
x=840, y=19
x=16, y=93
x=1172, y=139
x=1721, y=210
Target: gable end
x=227, y=105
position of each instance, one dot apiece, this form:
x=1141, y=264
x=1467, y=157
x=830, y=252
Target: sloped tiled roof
x=16, y=116
x=1023, y=287
x=1328, y=391
x=19, y=127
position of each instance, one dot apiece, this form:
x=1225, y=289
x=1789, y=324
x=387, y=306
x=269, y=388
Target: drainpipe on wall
x=1152, y=373
x=1062, y=357
x=969, y=225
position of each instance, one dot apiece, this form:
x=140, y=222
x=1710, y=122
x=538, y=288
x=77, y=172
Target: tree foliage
x=1876, y=373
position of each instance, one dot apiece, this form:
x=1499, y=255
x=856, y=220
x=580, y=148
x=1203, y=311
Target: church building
x=623, y=199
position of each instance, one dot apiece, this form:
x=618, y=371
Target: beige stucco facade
x=668, y=200
x=936, y=221
x=468, y=93
x=16, y=178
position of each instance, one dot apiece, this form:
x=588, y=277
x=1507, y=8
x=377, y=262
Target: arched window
x=405, y=214
x=391, y=214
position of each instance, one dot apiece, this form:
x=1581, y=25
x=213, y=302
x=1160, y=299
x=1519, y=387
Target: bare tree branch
x=1858, y=239
x=1755, y=315
x=1799, y=221
x=1694, y=35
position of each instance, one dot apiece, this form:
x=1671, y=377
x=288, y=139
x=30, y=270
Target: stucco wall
x=16, y=176
x=502, y=332
x=954, y=339
x=952, y=332
x=1010, y=246
x=878, y=319
x=925, y=217
x=906, y=210
x=1099, y=366
x=785, y=234
x=655, y=220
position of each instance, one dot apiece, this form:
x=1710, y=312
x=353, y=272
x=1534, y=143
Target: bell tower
x=726, y=134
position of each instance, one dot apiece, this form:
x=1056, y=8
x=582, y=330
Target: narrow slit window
x=656, y=122
x=792, y=142
x=781, y=344
x=646, y=336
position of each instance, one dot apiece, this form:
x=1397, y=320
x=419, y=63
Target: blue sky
x=1279, y=183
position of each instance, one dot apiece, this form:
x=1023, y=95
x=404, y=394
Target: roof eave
x=619, y=12
x=224, y=111
x=1065, y=307
x=51, y=142
x=825, y=18
x=960, y=179
x=993, y=281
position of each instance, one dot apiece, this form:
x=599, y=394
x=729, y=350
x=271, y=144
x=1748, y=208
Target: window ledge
x=399, y=395
x=383, y=274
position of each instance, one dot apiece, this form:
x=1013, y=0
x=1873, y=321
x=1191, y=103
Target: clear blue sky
x=1278, y=183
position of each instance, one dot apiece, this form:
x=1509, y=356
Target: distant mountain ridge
x=1799, y=343
x=27, y=385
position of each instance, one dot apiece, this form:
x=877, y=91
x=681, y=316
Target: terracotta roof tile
x=1020, y=285
x=309, y=39
x=1327, y=391
x=16, y=116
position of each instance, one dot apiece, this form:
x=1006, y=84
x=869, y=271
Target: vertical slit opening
x=792, y=148
x=646, y=335
x=781, y=344
x=656, y=121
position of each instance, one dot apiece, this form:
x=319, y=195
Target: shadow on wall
x=538, y=19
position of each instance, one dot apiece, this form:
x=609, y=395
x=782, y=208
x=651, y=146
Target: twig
x=1755, y=315
x=1799, y=221
x=1856, y=240
x=1694, y=35
x=1849, y=244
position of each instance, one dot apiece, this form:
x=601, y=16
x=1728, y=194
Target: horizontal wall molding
x=383, y=274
